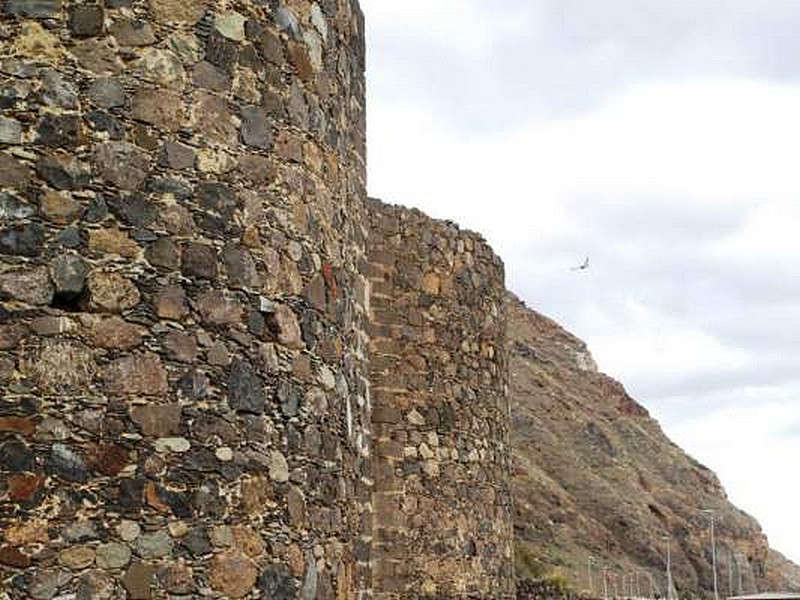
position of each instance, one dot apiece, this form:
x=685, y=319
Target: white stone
x=278, y=467
x=129, y=530
x=415, y=418
x=172, y=444
x=326, y=378
x=231, y=25
x=224, y=454
x=318, y=21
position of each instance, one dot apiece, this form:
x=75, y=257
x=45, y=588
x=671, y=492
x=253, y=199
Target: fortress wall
x=183, y=410
x=440, y=410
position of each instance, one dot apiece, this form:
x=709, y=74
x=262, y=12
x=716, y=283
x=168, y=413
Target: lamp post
x=730, y=572
x=669, y=566
x=710, y=513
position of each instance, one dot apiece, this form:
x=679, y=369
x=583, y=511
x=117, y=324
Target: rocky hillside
x=595, y=476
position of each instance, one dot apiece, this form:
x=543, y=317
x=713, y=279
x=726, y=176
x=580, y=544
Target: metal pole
x=605, y=584
x=730, y=572
x=714, y=557
x=739, y=572
x=669, y=569
x=589, y=567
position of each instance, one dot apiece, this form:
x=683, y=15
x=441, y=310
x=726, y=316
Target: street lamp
x=669, y=566
x=710, y=513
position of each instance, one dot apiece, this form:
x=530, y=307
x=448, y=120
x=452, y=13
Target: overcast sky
x=660, y=139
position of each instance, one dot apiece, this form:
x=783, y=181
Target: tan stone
x=284, y=324
x=113, y=241
x=232, y=574
x=30, y=532
x=256, y=493
x=59, y=207
x=138, y=374
x=161, y=108
x=218, y=309
x=431, y=284
x=98, y=56
x=76, y=557
x=212, y=119
x=35, y=42
x=178, y=11
x=248, y=541
x=117, y=334
x=112, y=292
x=158, y=420
x=170, y=303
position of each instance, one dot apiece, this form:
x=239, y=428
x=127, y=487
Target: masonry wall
x=440, y=410
x=183, y=410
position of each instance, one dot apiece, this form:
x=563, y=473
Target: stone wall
x=183, y=409
x=440, y=410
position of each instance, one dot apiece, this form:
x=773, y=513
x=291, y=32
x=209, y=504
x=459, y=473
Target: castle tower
x=440, y=415
x=183, y=409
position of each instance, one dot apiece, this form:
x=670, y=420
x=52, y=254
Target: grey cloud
x=577, y=52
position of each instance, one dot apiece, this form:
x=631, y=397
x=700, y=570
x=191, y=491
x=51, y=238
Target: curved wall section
x=440, y=410
x=183, y=411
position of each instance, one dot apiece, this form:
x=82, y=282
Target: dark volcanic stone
x=16, y=456
x=68, y=272
x=33, y=8
x=194, y=385
x=24, y=240
x=59, y=131
x=129, y=32
x=68, y=465
x=69, y=238
x=217, y=197
x=245, y=388
x=13, y=209
x=201, y=459
x=176, y=156
x=102, y=121
x=164, y=253
x=122, y=164
x=62, y=172
x=107, y=93
x=97, y=210
x=240, y=267
x=130, y=494
x=256, y=130
x=289, y=396
x=86, y=20
x=197, y=542
x=134, y=209
x=210, y=77
x=222, y=52
x=208, y=501
x=199, y=260
x=58, y=91
x=276, y=582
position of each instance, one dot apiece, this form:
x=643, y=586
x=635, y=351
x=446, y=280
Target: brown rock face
x=595, y=476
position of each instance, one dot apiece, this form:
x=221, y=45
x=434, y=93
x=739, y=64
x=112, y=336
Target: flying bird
x=582, y=267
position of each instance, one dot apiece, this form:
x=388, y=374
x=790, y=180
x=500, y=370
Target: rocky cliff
x=595, y=476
